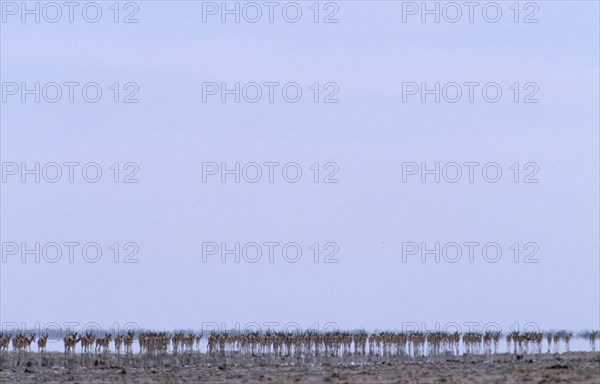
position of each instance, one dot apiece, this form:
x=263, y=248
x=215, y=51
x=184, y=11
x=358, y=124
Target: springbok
x=42, y=343
x=17, y=343
x=22, y=342
x=188, y=343
x=128, y=341
x=70, y=341
x=28, y=341
x=103, y=343
x=87, y=341
x=549, y=340
x=556, y=339
x=4, y=342
x=568, y=337
x=118, y=343
x=592, y=336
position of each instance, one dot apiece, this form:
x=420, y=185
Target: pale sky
x=368, y=217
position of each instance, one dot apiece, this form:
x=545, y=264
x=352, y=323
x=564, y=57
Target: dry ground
x=576, y=367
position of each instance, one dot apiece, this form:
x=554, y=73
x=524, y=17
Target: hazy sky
x=368, y=141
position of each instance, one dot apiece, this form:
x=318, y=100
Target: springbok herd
x=313, y=344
